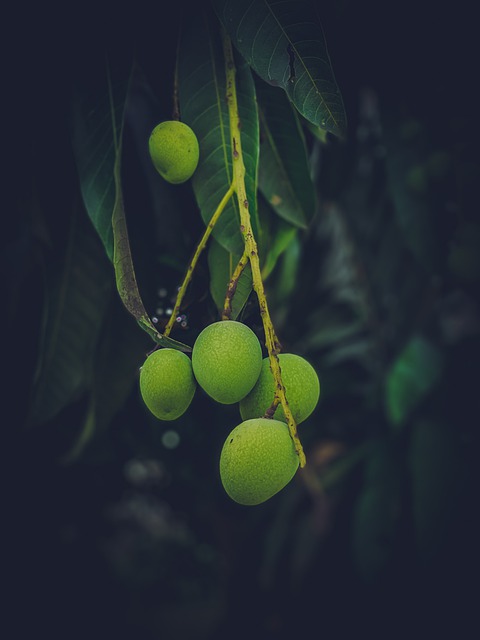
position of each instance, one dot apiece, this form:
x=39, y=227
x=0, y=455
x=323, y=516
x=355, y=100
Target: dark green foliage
x=76, y=302
x=201, y=70
x=118, y=525
x=283, y=42
x=413, y=375
x=221, y=264
x=284, y=173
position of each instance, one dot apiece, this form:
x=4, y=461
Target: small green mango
x=302, y=388
x=226, y=360
x=174, y=151
x=167, y=384
x=258, y=460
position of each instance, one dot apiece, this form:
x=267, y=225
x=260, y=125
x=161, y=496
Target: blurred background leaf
x=412, y=375
x=438, y=480
x=377, y=512
x=125, y=514
x=76, y=303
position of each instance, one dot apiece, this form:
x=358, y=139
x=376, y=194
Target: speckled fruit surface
x=258, y=460
x=174, y=151
x=302, y=388
x=226, y=360
x=167, y=384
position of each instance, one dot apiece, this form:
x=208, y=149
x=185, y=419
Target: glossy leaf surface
x=284, y=174
x=283, y=41
x=98, y=107
x=203, y=107
x=97, y=129
x=278, y=236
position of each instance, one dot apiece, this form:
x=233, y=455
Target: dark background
x=136, y=539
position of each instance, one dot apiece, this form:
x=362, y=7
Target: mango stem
x=271, y=341
x=201, y=246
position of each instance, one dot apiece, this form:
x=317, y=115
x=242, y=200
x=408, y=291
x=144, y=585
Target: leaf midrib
x=298, y=57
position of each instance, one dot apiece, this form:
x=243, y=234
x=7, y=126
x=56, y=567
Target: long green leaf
x=99, y=102
x=76, y=305
x=120, y=353
x=283, y=41
x=98, y=105
x=284, y=173
x=203, y=106
x=278, y=235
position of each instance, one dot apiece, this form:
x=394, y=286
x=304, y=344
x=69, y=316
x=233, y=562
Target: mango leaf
x=202, y=90
x=221, y=264
x=331, y=327
x=98, y=108
x=75, y=306
x=320, y=134
x=98, y=105
x=284, y=173
x=280, y=235
x=283, y=41
x=284, y=279
x=412, y=376
x=120, y=353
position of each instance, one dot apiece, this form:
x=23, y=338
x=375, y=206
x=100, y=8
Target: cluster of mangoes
x=258, y=457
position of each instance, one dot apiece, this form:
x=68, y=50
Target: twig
x=251, y=248
x=201, y=246
x=232, y=286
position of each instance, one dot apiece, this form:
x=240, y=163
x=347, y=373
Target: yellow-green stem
x=201, y=246
x=270, y=412
x=232, y=286
x=251, y=248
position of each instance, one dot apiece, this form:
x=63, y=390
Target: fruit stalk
x=201, y=246
x=232, y=286
x=251, y=248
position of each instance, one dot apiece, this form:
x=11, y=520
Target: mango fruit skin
x=226, y=360
x=302, y=388
x=167, y=384
x=174, y=150
x=258, y=460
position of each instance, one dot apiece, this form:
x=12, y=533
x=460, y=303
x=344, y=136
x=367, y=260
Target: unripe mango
x=258, y=460
x=167, y=384
x=174, y=151
x=302, y=388
x=226, y=360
